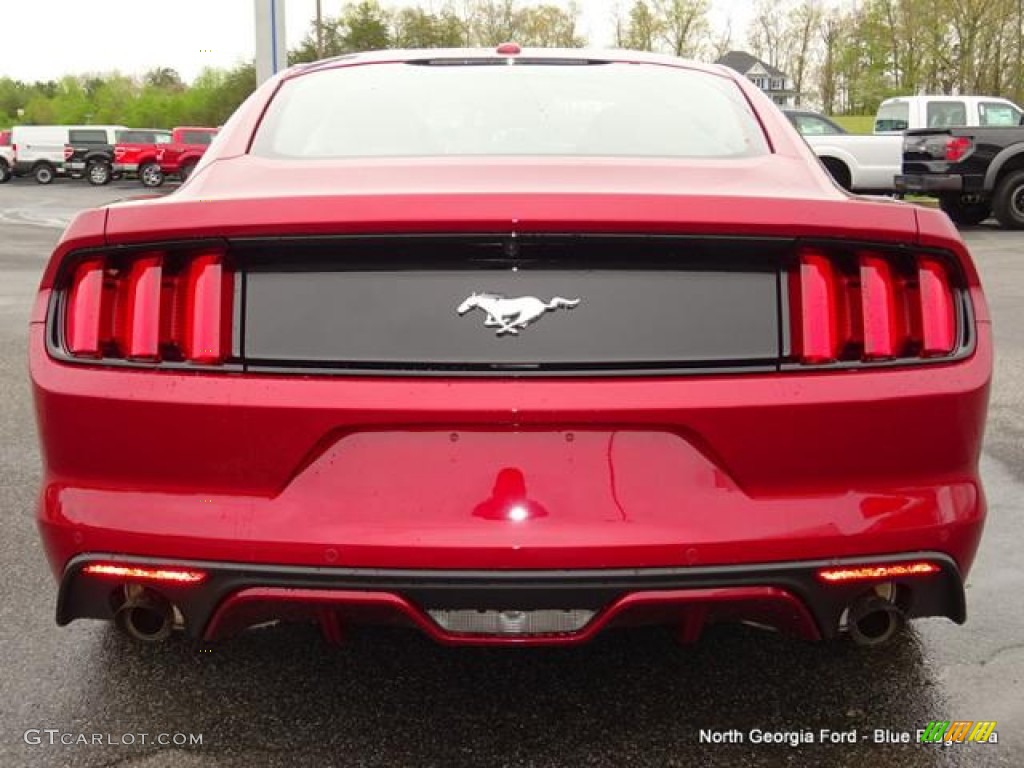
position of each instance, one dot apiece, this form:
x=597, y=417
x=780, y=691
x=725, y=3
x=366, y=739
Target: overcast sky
x=133, y=36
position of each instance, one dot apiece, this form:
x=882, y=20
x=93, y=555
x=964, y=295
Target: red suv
x=136, y=154
x=186, y=147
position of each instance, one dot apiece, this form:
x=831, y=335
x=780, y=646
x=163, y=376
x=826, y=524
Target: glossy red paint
x=689, y=609
x=407, y=472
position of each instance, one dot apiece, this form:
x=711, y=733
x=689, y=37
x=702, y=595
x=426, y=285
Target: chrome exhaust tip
x=873, y=620
x=145, y=616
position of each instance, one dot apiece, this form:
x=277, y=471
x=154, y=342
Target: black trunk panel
x=644, y=304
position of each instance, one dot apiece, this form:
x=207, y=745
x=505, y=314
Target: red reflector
x=878, y=308
x=85, y=309
x=508, y=49
x=938, y=313
x=141, y=321
x=874, y=572
x=144, y=573
x=208, y=289
x=816, y=327
x=957, y=148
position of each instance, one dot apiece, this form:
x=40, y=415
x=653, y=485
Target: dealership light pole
x=319, y=31
x=271, y=46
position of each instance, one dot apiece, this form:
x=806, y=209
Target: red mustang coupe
x=513, y=347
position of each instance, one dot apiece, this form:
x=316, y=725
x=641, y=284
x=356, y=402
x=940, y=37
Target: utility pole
x=319, y=31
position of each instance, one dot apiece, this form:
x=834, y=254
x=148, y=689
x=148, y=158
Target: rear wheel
x=43, y=173
x=1008, y=200
x=186, y=170
x=839, y=172
x=98, y=173
x=150, y=175
x=5, y=173
x=964, y=210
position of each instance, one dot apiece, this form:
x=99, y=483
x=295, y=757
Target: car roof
x=529, y=54
x=943, y=97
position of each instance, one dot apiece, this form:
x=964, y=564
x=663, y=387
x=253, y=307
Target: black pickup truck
x=94, y=161
x=974, y=172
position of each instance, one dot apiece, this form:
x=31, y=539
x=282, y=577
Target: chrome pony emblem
x=509, y=316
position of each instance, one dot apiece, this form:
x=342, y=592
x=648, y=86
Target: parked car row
x=966, y=151
x=101, y=153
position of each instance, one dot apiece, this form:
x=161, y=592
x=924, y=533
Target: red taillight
x=123, y=572
x=958, y=148
x=139, y=324
x=207, y=331
x=877, y=572
x=883, y=336
x=938, y=313
x=816, y=330
x=84, y=319
x=871, y=306
x=151, y=308
x=68, y=152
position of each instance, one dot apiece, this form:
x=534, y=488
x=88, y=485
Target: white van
x=39, y=149
x=911, y=112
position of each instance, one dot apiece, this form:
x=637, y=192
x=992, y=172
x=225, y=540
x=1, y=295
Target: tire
x=99, y=173
x=43, y=173
x=1008, y=200
x=150, y=175
x=186, y=170
x=962, y=212
x=5, y=173
x=839, y=172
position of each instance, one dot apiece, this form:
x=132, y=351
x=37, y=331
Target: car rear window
x=946, y=114
x=85, y=136
x=459, y=108
x=814, y=125
x=143, y=137
x=894, y=116
x=196, y=137
x=998, y=113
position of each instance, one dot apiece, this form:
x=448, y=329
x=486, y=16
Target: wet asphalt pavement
x=280, y=697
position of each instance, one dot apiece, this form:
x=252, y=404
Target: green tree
x=164, y=77
x=642, y=28
x=684, y=28
x=365, y=27
x=491, y=22
x=416, y=28
x=547, y=26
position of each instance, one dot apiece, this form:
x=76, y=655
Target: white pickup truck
x=865, y=164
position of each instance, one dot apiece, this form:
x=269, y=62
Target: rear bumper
x=328, y=484
x=924, y=183
x=787, y=596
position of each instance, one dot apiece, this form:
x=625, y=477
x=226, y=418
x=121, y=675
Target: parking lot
x=280, y=697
